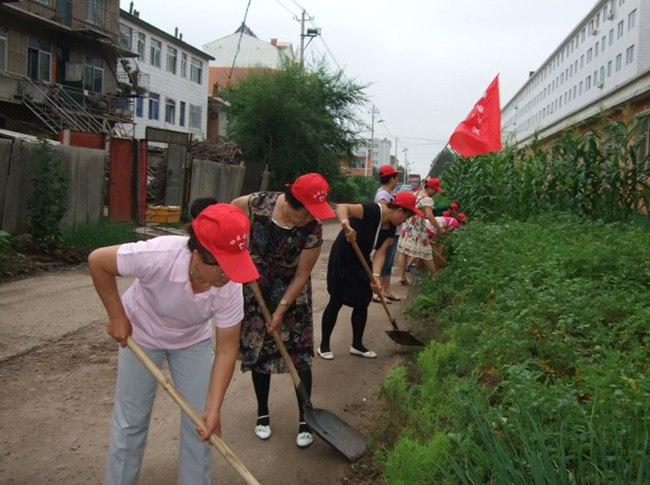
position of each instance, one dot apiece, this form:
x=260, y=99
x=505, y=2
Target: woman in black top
x=372, y=226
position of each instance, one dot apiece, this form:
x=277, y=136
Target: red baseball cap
x=446, y=213
x=223, y=230
x=454, y=208
x=435, y=184
x=462, y=216
x=406, y=200
x=311, y=189
x=387, y=170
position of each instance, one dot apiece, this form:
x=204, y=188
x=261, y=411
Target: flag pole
x=424, y=180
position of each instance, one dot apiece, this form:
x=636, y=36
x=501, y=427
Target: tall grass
x=600, y=174
x=94, y=236
x=540, y=370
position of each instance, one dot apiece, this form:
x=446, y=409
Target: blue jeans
x=390, y=258
x=134, y=395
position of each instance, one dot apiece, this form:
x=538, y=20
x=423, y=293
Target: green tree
x=296, y=121
x=46, y=205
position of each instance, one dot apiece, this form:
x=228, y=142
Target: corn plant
x=602, y=174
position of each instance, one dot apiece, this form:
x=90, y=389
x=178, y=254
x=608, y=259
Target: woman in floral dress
x=414, y=240
x=285, y=242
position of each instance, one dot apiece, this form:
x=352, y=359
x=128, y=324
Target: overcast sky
x=427, y=61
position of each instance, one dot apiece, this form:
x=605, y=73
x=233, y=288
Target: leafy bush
x=46, y=204
x=541, y=374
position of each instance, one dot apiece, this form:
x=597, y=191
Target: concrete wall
x=218, y=180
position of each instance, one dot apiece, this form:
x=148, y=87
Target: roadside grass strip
x=536, y=370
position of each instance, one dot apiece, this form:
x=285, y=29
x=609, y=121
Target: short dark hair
x=392, y=205
x=199, y=204
x=384, y=179
x=293, y=201
x=194, y=244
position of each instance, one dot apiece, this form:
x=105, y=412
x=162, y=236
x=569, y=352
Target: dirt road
x=57, y=375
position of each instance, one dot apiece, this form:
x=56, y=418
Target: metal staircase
x=57, y=112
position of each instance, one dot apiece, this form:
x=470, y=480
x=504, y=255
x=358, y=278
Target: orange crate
x=163, y=214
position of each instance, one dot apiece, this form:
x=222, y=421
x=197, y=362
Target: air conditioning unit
x=594, y=32
x=600, y=84
x=610, y=15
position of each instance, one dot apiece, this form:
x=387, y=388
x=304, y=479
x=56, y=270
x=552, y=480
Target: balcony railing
x=94, y=18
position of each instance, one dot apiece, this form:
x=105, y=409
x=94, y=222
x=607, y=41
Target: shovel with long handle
x=191, y=412
x=325, y=424
x=402, y=337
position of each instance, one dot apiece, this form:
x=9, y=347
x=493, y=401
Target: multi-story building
x=238, y=54
x=177, y=95
x=603, y=63
x=57, y=66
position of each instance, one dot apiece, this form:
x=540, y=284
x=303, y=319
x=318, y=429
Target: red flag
x=480, y=132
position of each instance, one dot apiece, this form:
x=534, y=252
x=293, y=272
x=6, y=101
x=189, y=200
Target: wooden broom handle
x=191, y=412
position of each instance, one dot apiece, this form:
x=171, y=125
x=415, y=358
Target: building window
x=172, y=55
x=582, y=35
x=602, y=74
x=183, y=64
x=609, y=68
x=154, y=105
x=619, y=62
x=631, y=20
x=195, y=117
x=139, y=103
x=629, y=55
x=589, y=54
x=620, y=29
x=126, y=34
x=196, y=70
x=46, y=2
x=580, y=88
x=170, y=111
x=154, y=52
x=611, y=37
x=141, y=48
x=596, y=50
x=582, y=61
x=96, y=12
x=93, y=74
x=181, y=114
x=603, y=43
x=588, y=83
x=3, y=49
x=39, y=59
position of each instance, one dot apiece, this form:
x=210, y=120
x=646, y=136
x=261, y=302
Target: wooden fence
x=84, y=168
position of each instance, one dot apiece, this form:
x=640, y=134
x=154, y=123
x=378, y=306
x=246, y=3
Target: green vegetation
x=46, y=204
x=296, y=121
x=355, y=189
x=99, y=235
x=537, y=369
x=603, y=174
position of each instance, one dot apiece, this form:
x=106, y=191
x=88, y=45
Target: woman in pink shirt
x=181, y=284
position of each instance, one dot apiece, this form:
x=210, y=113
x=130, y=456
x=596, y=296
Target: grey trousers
x=134, y=395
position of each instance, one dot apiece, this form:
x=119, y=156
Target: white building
x=177, y=97
x=604, y=62
x=246, y=50
x=380, y=152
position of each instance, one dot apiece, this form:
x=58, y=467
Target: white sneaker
x=368, y=354
x=325, y=355
x=263, y=431
x=304, y=439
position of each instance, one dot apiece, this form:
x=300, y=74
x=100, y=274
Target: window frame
x=172, y=59
x=40, y=53
x=155, y=52
x=89, y=66
x=195, y=115
x=170, y=111
x=153, y=112
x=4, y=49
x=196, y=70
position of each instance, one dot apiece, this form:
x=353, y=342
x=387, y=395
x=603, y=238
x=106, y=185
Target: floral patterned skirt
x=257, y=349
x=414, y=240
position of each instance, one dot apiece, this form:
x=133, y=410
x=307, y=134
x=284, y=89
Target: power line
x=241, y=33
x=285, y=7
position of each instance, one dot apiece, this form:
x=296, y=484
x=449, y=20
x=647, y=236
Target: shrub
x=46, y=204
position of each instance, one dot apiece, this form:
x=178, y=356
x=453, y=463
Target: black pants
x=330, y=315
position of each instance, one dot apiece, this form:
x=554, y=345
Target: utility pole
x=396, y=162
x=302, y=39
x=406, y=165
x=372, y=140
